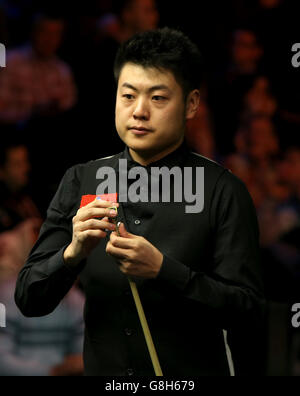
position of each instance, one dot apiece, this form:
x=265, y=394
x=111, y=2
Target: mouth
x=140, y=131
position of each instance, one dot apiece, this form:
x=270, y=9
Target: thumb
x=123, y=232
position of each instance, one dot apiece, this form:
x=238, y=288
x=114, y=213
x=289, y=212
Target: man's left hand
x=137, y=257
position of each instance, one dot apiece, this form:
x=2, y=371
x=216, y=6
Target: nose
x=141, y=111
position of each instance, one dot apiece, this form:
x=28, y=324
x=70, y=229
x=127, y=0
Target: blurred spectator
x=259, y=100
x=241, y=167
x=228, y=88
x=35, y=82
x=16, y=204
x=48, y=346
x=126, y=18
x=279, y=219
x=258, y=141
x=288, y=171
x=135, y=16
x=246, y=53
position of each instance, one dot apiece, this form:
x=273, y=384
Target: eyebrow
x=152, y=89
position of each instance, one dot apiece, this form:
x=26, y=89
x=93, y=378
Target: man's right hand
x=89, y=227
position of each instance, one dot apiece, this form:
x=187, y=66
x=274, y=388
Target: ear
x=192, y=104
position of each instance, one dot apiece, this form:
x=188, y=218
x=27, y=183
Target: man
x=197, y=274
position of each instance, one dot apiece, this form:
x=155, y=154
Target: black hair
x=165, y=49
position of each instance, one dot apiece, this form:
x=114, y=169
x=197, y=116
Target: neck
x=147, y=158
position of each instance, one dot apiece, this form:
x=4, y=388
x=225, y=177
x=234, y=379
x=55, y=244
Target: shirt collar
x=176, y=158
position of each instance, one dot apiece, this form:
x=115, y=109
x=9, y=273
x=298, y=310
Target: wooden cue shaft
x=143, y=321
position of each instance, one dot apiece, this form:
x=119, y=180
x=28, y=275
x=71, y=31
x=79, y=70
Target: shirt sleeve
x=233, y=289
x=45, y=279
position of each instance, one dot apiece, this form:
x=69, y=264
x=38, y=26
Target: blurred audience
x=200, y=135
x=20, y=219
x=16, y=203
x=227, y=90
x=133, y=16
x=39, y=346
x=35, y=82
x=47, y=346
x=258, y=141
x=259, y=100
x=245, y=53
x=248, y=120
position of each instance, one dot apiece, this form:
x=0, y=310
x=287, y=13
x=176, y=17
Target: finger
x=99, y=204
x=100, y=201
x=120, y=254
x=124, y=233
x=95, y=225
x=94, y=213
x=122, y=243
x=97, y=234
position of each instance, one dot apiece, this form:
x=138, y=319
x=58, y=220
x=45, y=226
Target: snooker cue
x=143, y=320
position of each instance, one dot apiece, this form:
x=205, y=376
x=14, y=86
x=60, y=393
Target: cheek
x=173, y=119
x=119, y=115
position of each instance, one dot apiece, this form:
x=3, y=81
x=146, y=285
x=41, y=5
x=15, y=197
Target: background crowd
x=57, y=109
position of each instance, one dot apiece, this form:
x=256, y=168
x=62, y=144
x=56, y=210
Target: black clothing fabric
x=210, y=279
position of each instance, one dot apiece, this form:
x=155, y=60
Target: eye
x=128, y=96
x=158, y=98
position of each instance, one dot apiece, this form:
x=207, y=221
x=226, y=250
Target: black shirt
x=210, y=279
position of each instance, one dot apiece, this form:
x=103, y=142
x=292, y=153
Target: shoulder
x=213, y=171
x=111, y=161
x=222, y=175
x=81, y=173
x=94, y=164
x=209, y=164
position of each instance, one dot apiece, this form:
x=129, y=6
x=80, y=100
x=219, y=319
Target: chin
x=140, y=144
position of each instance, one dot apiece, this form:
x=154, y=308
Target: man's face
x=150, y=110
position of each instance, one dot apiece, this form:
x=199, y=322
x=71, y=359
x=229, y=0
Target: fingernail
x=113, y=213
